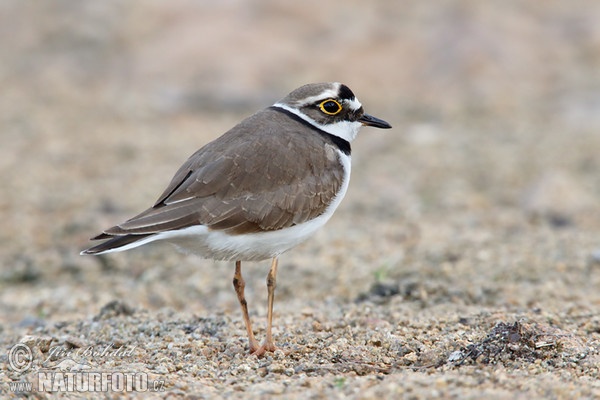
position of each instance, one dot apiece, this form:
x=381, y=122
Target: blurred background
x=492, y=167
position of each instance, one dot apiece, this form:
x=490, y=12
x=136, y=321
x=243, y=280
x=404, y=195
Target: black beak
x=369, y=120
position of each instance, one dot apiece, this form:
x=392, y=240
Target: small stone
x=277, y=368
x=161, y=369
x=456, y=356
x=41, y=342
x=74, y=342
x=243, y=368
x=279, y=355
x=307, y=312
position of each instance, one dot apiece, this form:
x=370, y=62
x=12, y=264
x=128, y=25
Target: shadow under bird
x=260, y=189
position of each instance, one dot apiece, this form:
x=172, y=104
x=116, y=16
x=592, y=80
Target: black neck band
x=340, y=143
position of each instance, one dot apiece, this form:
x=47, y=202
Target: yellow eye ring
x=330, y=107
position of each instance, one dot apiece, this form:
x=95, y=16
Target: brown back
x=269, y=172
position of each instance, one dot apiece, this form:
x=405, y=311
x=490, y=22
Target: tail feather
x=114, y=244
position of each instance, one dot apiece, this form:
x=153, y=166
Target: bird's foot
x=266, y=346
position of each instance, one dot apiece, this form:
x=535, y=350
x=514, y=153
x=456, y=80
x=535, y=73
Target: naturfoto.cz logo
x=20, y=361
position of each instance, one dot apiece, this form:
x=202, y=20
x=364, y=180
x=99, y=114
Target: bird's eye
x=330, y=107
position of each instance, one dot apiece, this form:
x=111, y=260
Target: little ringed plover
x=258, y=190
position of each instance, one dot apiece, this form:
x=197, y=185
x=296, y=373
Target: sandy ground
x=463, y=263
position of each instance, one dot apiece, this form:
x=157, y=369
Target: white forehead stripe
x=354, y=104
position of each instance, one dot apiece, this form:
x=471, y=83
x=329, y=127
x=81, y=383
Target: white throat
x=344, y=129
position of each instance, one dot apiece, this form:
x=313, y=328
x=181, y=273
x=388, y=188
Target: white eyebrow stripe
x=327, y=94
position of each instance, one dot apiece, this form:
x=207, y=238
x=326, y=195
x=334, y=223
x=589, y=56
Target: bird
x=263, y=187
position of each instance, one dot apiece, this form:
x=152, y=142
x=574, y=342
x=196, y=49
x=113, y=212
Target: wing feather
x=256, y=177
